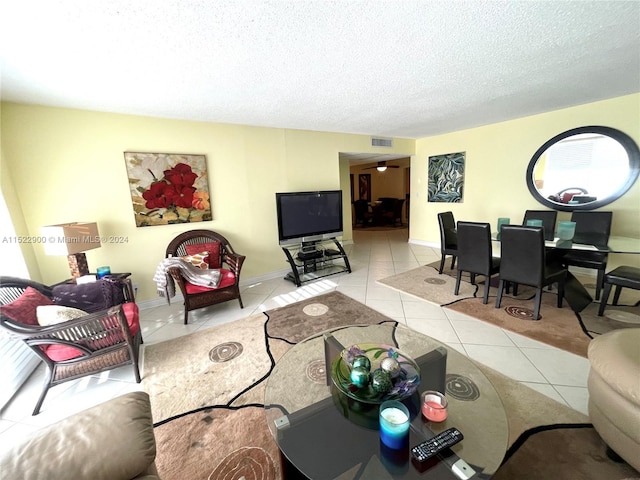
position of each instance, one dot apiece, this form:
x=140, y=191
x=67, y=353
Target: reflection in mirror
x=583, y=168
x=584, y=165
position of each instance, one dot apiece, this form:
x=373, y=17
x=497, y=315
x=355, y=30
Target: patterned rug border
x=521, y=440
x=229, y=405
x=208, y=407
x=527, y=434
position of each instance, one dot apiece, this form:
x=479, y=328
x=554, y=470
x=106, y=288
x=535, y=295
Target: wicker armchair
x=79, y=347
x=221, y=256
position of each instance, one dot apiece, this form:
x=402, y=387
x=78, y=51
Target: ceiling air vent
x=381, y=142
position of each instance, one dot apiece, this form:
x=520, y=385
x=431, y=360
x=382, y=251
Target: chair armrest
x=112, y=440
x=23, y=283
x=234, y=261
x=83, y=329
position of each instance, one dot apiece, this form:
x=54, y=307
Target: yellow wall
x=61, y=165
x=497, y=157
x=64, y=165
x=7, y=247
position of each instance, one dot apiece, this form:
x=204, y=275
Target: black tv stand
x=310, y=261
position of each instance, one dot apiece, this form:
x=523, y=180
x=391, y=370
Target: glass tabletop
x=325, y=434
x=616, y=244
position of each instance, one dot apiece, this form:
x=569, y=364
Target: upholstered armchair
x=219, y=254
x=113, y=440
x=614, y=392
x=71, y=342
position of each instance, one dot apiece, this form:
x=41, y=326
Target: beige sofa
x=113, y=441
x=614, y=391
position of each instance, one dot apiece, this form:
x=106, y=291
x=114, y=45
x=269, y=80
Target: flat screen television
x=309, y=216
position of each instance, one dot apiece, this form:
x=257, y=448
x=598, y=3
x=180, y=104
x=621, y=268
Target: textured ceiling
x=389, y=68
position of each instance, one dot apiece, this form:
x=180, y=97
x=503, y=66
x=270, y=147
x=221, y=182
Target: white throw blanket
x=191, y=273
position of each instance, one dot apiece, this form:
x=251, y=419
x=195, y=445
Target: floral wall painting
x=168, y=188
x=446, y=178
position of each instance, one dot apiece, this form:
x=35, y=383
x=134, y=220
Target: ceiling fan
x=382, y=166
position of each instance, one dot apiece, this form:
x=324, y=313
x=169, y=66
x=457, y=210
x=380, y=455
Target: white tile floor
x=373, y=255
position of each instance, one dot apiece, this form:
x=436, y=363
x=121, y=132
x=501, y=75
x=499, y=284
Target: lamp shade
x=70, y=238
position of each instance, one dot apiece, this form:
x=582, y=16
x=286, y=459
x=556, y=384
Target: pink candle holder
x=434, y=406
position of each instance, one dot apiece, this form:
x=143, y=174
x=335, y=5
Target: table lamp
x=72, y=239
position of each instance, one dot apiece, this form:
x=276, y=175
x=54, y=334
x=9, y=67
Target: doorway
x=377, y=178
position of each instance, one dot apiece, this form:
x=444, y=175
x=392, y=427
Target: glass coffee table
x=325, y=434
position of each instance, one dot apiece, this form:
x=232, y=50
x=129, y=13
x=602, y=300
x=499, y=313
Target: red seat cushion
x=132, y=313
x=24, y=308
x=60, y=353
x=212, y=247
x=227, y=279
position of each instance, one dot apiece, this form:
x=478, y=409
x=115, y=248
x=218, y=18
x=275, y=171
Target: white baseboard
x=425, y=244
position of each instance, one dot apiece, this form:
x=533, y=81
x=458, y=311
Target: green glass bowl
x=404, y=385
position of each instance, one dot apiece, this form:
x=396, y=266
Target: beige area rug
x=425, y=283
x=229, y=438
x=560, y=327
x=201, y=369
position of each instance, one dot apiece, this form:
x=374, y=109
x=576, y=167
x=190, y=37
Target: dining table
x=575, y=293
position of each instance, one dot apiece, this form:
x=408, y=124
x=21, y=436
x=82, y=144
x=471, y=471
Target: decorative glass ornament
x=359, y=376
x=362, y=361
x=381, y=381
x=391, y=365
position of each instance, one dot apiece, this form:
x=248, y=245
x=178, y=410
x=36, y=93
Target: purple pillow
x=90, y=297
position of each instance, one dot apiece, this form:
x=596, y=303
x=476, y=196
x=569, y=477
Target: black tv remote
x=427, y=449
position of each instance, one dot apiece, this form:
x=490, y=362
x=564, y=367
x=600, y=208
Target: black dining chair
x=592, y=228
x=394, y=216
x=548, y=218
x=363, y=216
x=475, y=254
x=448, y=239
x=523, y=262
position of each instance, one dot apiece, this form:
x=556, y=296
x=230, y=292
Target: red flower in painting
x=181, y=174
x=183, y=196
x=159, y=195
x=174, y=195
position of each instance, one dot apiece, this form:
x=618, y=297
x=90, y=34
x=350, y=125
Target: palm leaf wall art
x=446, y=178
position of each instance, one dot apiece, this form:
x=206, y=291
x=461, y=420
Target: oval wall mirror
x=583, y=168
